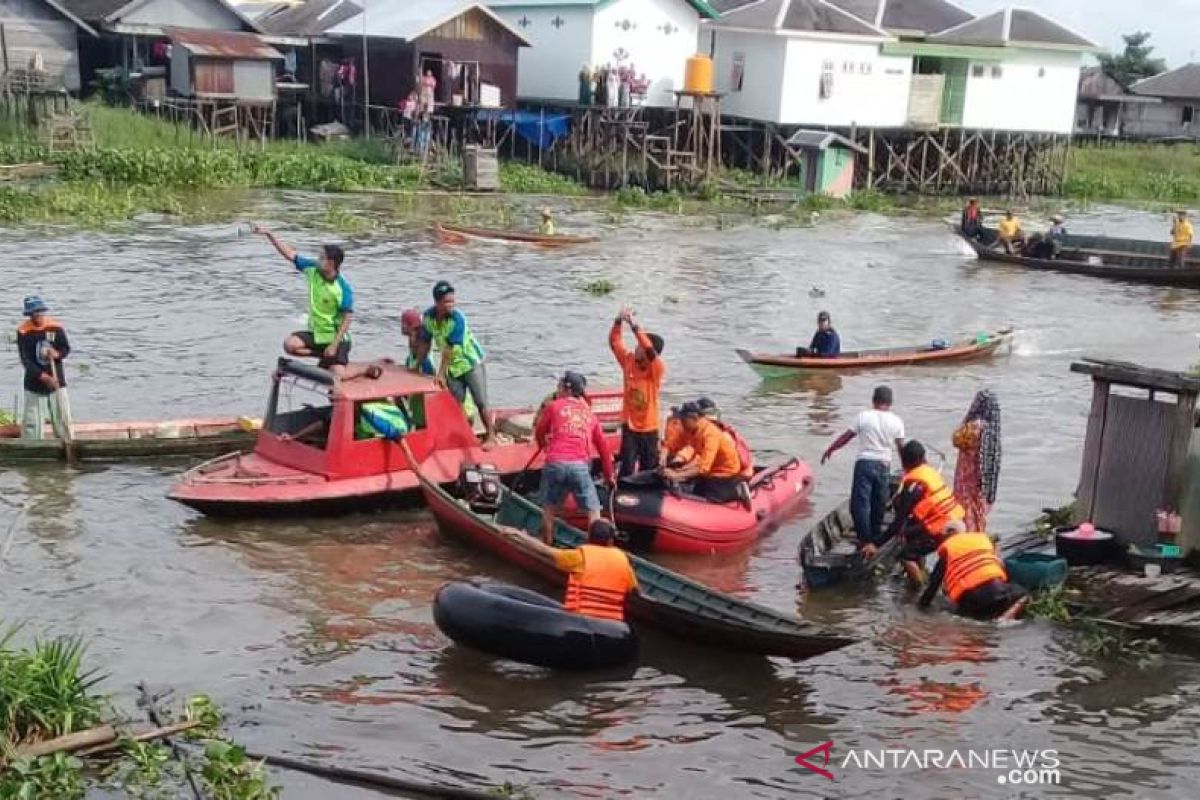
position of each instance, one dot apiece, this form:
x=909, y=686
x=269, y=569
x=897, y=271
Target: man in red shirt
x=568, y=431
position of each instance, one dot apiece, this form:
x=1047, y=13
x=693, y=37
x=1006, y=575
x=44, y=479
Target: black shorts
x=917, y=544
x=341, y=358
x=989, y=600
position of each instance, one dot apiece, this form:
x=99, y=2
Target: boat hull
x=454, y=234
x=828, y=553
x=659, y=522
x=665, y=600
x=119, y=441
x=1134, y=267
x=771, y=366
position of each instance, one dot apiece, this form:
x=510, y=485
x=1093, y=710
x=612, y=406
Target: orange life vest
x=599, y=589
x=938, y=505
x=743, y=449
x=971, y=561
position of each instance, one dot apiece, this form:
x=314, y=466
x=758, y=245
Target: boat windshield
x=301, y=409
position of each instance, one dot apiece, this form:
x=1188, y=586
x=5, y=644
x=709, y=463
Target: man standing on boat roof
x=924, y=507
x=642, y=372
x=42, y=345
x=880, y=432
x=567, y=431
x=1182, y=237
x=330, y=309
x=461, y=368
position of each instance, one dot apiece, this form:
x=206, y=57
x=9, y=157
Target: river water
x=317, y=637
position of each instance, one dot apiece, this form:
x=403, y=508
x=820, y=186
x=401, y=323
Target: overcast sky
x=1174, y=25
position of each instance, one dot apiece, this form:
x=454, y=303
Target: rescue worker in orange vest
x=923, y=506
x=973, y=576
x=709, y=409
x=715, y=470
x=599, y=575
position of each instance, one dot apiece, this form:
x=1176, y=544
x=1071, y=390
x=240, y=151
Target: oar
x=525, y=471
x=64, y=411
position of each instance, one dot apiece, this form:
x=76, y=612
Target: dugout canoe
x=666, y=600
x=117, y=441
x=976, y=347
x=1133, y=260
x=455, y=234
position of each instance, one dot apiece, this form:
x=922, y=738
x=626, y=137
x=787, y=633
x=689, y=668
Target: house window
x=977, y=71
x=847, y=67
x=737, y=73
x=826, y=87
x=1189, y=113
x=997, y=71
x=212, y=76
x=864, y=68
x=1041, y=72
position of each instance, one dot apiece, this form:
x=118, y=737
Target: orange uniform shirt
x=714, y=450
x=643, y=383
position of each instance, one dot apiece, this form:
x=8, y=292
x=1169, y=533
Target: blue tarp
x=535, y=128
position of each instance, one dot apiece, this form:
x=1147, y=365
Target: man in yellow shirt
x=1008, y=233
x=714, y=467
x=1182, y=236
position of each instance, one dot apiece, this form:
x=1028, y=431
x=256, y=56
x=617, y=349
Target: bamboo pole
x=102, y=734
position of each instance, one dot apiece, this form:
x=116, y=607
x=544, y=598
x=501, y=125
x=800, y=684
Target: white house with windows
x=894, y=64
x=656, y=37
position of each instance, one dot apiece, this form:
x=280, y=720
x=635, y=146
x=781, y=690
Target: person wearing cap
x=713, y=414
x=411, y=325
x=973, y=576
x=1008, y=233
x=880, y=432
x=1182, y=237
x=461, y=366
x=42, y=345
x=568, y=431
x=330, y=308
x=970, y=224
x=825, y=342
x=642, y=373
x=714, y=469
x=547, y=227
x=600, y=576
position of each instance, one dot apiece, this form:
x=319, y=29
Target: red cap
x=410, y=320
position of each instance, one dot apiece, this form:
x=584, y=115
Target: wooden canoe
x=456, y=234
x=1134, y=260
x=116, y=441
x=828, y=553
x=666, y=600
x=966, y=350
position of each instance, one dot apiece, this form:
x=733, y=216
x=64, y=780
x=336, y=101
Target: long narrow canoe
x=1134, y=260
x=828, y=553
x=977, y=347
x=116, y=441
x=665, y=599
x=456, y=234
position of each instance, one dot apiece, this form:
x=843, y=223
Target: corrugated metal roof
x=821, y=140
x=311, y=18
x=815, y=16
x=107, y=10
x=705, y=8
x=222, y=44
x=412, y=20
x=1182, y=83
x=1018, y=27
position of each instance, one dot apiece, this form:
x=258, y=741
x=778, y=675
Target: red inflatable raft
x=658, y=521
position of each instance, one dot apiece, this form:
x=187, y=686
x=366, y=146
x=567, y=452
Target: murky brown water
x=317, y=636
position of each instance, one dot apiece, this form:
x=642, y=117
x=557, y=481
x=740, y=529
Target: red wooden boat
x=307, y=459
x=660, y=522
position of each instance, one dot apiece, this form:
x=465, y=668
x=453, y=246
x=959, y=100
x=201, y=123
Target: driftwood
x=143, y=736
x=100, y=739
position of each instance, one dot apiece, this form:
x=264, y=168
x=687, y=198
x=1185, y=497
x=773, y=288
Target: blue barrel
x=1036, y=570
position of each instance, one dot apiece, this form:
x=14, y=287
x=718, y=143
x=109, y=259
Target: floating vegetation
x=600, y=287
x=1096, y=639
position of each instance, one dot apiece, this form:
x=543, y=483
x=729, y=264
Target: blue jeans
x=868, y=499
x=569, y=477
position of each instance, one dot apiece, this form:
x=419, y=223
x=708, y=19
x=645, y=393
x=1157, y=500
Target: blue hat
x=34, y=305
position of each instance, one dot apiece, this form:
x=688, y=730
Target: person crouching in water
x=568, y=430
x=923, y=507
x=715, y=469
x=973, y=577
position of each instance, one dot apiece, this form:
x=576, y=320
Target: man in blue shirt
x=825, y=342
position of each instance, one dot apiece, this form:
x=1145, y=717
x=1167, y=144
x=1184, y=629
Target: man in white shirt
x=880, y=433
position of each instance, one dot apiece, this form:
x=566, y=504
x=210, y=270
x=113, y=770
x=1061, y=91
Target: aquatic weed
x=600, y=287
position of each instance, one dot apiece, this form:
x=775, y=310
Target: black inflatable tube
x=525, y=626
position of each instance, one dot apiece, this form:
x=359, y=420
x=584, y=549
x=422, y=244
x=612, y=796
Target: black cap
x=601, y=532
x=706, y=405
x=690, y=410
x=441, y=289
x=656, y=341
x=576, y=384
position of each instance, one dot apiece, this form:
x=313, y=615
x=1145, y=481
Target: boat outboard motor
x=479, y=485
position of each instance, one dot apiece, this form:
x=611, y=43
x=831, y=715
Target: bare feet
x=1014, y=611
x=489, y=443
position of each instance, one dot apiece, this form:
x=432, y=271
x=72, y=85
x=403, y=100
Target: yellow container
x=698, y=75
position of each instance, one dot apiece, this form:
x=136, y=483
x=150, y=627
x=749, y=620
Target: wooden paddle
x=64, y=413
